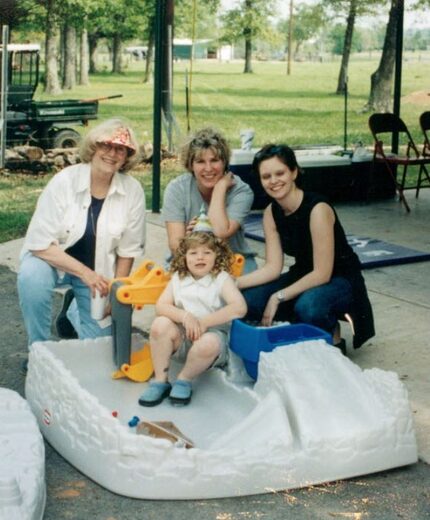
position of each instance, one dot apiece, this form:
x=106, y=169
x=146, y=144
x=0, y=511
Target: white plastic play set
x=311, y=416
x=22, y=460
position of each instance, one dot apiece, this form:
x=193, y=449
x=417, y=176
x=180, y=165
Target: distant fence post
x=3, y=95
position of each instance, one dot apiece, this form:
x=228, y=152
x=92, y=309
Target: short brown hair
x=205, y=139
x=223, y=254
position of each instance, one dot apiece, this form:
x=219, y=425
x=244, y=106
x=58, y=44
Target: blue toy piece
x=248, y=341
x=134, y=421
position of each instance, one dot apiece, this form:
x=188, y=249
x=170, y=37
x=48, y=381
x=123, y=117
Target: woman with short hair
x=211, y=187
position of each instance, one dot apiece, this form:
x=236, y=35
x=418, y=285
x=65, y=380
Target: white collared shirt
x=61, y=215
x=199, y=297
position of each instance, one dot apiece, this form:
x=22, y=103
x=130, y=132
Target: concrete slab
x=399, y=294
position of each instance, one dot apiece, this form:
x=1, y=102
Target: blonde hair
x=205, y=139
x=223, y=254
x=104, y=132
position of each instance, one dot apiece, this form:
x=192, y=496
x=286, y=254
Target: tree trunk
x=93, y=39
x=382, y=79
x=62, y=52
x=52, y=83
x=349, y=31
x=248, y=52
x=117, y=53
x=69, y=81
x=83, y=71
x=148, y=64
x=247, y=33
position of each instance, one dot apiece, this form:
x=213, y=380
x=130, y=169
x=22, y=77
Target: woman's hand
x=59, y=259
x=227, y=181
x=190, y=226
x=95, y=282
x=270, y=311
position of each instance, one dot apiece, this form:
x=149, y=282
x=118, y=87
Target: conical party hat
x=203, y=223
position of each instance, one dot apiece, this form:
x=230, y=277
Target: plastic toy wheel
x=66, y=138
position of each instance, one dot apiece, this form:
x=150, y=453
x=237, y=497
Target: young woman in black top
x=325, y=282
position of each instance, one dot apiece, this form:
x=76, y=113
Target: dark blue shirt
x=85, y=248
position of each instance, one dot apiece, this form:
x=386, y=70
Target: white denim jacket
x=61, y=215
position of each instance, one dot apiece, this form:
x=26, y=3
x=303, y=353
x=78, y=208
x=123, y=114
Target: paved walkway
x=400, y=298
x=399, y=294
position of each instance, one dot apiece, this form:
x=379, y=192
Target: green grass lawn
x=297, y=109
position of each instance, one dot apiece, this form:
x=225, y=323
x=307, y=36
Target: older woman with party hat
x=88, y=227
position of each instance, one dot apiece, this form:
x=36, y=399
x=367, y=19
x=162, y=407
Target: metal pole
x=158, y=85
x=167, y=44
x=193, y=38
x=290, y=39
x=345, y=115
x=187, y=101
x=398, y=71
x=3, y=96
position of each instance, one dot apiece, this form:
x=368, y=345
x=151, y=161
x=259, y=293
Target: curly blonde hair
x=224, y=256
x=104, y=131
x=205, y=139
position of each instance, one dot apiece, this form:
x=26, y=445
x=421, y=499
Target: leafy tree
x=351, y=9
x=417, y=39
x=26, y=18
x=120, y=20
x=12, y=13
x=382, y=79
x=52, y=83
x=248, y=21
x=371, y=37
x=204, y=17
x=306, y=22
x=84, y=52
x=73, y=16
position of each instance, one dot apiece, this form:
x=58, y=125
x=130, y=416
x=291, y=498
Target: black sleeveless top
x=296, y=240
x=295, y=234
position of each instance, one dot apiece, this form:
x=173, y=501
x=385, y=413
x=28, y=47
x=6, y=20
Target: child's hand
x=192, y=327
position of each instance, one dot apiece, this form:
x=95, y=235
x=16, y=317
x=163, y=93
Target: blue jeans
x=36, y=283
x=321, y=306
x=250, y=264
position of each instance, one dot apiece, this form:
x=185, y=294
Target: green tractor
x=40, y=123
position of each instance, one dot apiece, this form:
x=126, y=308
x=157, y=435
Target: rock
x=32, y=153
x=59, y=161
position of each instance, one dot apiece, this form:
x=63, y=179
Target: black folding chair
x=425, y=127
x=387, y=125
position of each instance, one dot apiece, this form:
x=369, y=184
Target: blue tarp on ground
x=371, y=251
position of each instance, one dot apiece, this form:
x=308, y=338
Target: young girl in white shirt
x=193, y=315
